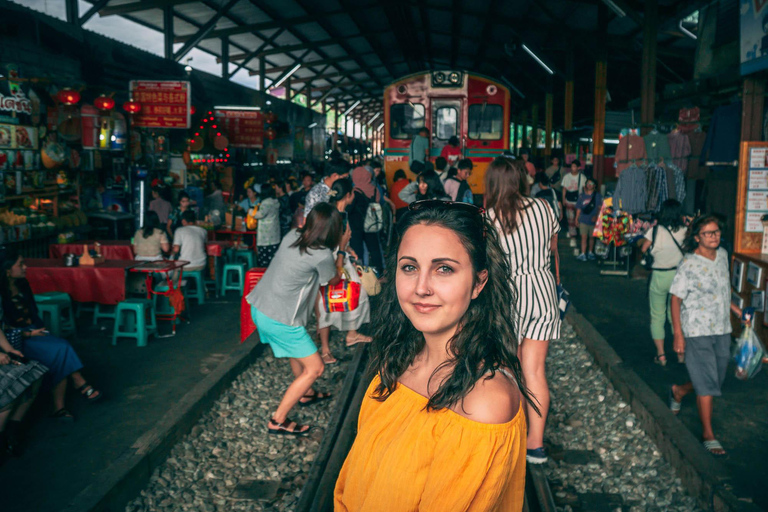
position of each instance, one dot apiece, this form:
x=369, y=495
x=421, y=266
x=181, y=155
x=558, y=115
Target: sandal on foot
x=713, y=446
x=660, y=360
x=329, y=359
x=63, y=414
x=89, y=392
x=674, y=405
x=314, y=398
x=288, y=428
x=360, y=338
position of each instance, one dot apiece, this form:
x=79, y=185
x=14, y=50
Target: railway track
x=317, y=494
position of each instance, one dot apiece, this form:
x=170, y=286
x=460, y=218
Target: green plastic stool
x=246, y=256
x=50, y=312
x=103, y=311
x=236, y=271
x=67, y=310
x=197, y=291
x=136, y=325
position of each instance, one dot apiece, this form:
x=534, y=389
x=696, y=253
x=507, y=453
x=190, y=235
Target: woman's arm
x=645, y=245
x=408, y=194
x=679, y=340
x=6, y=347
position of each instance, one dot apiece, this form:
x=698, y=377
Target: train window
x=447, y=122
x=406, y=119
x=486, y=122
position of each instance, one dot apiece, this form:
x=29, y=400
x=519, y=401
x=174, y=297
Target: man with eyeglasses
x=701, y=308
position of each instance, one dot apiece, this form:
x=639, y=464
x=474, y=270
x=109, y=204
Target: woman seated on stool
x=150, y=242
x=282, y=301
x=20, y=312
x=442, y=425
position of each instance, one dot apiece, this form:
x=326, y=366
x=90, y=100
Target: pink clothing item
x=631, y=148
x=162, y=208
x=680, y=146
x=362, y=178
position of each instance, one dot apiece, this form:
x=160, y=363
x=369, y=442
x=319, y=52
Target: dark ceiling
x=349, y=50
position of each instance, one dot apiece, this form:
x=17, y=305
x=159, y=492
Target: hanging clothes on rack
x=680, y=146
x=658, y=190
x=657, y=147
x=675, y=182
x=724, y=136
x=631, y=149
x=632, y=190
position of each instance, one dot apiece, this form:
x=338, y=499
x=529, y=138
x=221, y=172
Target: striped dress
x=529, y=256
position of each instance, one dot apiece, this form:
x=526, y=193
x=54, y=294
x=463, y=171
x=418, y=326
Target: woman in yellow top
x=441, y=427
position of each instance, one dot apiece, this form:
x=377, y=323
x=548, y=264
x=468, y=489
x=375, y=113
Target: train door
x=446, y=122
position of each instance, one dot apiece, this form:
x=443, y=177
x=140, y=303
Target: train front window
x=405, y=120
x=486, y=122
x=447, y=122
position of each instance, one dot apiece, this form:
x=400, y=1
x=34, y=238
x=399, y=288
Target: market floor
x=618, y=309
x=140, y=385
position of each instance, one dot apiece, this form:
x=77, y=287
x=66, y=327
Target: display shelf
x=38, y=193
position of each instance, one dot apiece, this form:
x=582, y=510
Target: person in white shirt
x=189, y=242
x=572, y=185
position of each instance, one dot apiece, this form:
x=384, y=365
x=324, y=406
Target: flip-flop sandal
x=91, y=394
x=314, y=398
x=284, y=429
x=63, y=415
x=660, y=360
x=329, y=359
x=674, y=405
x=714, y=444
x=360, y=338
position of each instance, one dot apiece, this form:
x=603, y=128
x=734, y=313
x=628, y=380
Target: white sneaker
x=572, y=242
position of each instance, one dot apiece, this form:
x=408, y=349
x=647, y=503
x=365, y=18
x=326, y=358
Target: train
x=472, y=107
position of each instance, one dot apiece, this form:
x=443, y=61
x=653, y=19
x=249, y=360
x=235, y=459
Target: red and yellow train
x=471, y=107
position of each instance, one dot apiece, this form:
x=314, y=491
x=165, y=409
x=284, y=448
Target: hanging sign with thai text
x=164, y=104
x=243, y=128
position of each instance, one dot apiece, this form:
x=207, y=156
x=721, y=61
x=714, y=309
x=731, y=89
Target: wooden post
x=648, y=71
x=753, y=100
x=535, y=124
x=548, y=121
x=568, y=117
x=598, y=134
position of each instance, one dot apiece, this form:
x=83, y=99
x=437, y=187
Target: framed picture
x=758, y=300
x=736, y=300
x=754, y=275
x=737, y=275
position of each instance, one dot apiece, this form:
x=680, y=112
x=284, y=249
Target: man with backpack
x=547, y=193
x=457, y=186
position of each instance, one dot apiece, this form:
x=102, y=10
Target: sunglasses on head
x=447, y=205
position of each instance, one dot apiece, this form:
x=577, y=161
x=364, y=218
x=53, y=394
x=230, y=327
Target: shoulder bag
x=573, y=195
x=341, y=297
x=647, y=260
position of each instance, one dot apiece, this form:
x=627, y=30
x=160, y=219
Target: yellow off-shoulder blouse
x=407, y=459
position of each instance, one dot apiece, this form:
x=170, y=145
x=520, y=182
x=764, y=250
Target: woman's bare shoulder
x=493, y=400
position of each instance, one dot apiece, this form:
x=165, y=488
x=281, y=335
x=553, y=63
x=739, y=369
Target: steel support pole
x=262, y=72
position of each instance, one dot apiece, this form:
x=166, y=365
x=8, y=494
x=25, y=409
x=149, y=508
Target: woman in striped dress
x=528, y=232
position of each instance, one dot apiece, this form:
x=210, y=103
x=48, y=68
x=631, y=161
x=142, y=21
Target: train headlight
x=439, y=77
x=454, y=78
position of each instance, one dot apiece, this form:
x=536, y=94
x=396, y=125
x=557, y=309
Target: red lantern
x=104, y=103
x=132, y=107
x=68, y=97
x=271, y=134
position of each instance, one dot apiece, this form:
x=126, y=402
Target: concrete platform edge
x=119, y=483
x=704, y=477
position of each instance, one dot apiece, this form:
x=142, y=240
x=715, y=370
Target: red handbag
x=341, y=297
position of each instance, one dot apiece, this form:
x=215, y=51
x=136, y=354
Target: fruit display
x=23, y=223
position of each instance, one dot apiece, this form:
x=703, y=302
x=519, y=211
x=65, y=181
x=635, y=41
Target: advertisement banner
x=243, y=128
x=164, y=104
x=754, y=35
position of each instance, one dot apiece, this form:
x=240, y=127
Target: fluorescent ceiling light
x=615, y=8
x=350, y=109
x=373, y=118
x=312, y=125
x=285, y=77
x=537, y=59
x=234, y=107
x=686, y=31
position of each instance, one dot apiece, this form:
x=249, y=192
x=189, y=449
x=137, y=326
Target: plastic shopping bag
x=748, y=354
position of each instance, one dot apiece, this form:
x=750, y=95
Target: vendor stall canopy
x=342, y=51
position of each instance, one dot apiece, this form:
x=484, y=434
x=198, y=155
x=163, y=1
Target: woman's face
x=435, y=279
x=589, y=187
x=250, y=193
x=709, y=236
x=184, y=203
x=18, y=270
x=423, y=187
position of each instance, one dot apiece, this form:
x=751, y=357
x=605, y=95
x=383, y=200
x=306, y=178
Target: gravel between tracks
x=228, y=462
x=598, y=452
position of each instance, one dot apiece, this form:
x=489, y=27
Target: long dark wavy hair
x=505, y=186
x=485, y=341
x=690, y=244
x=435, y=188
